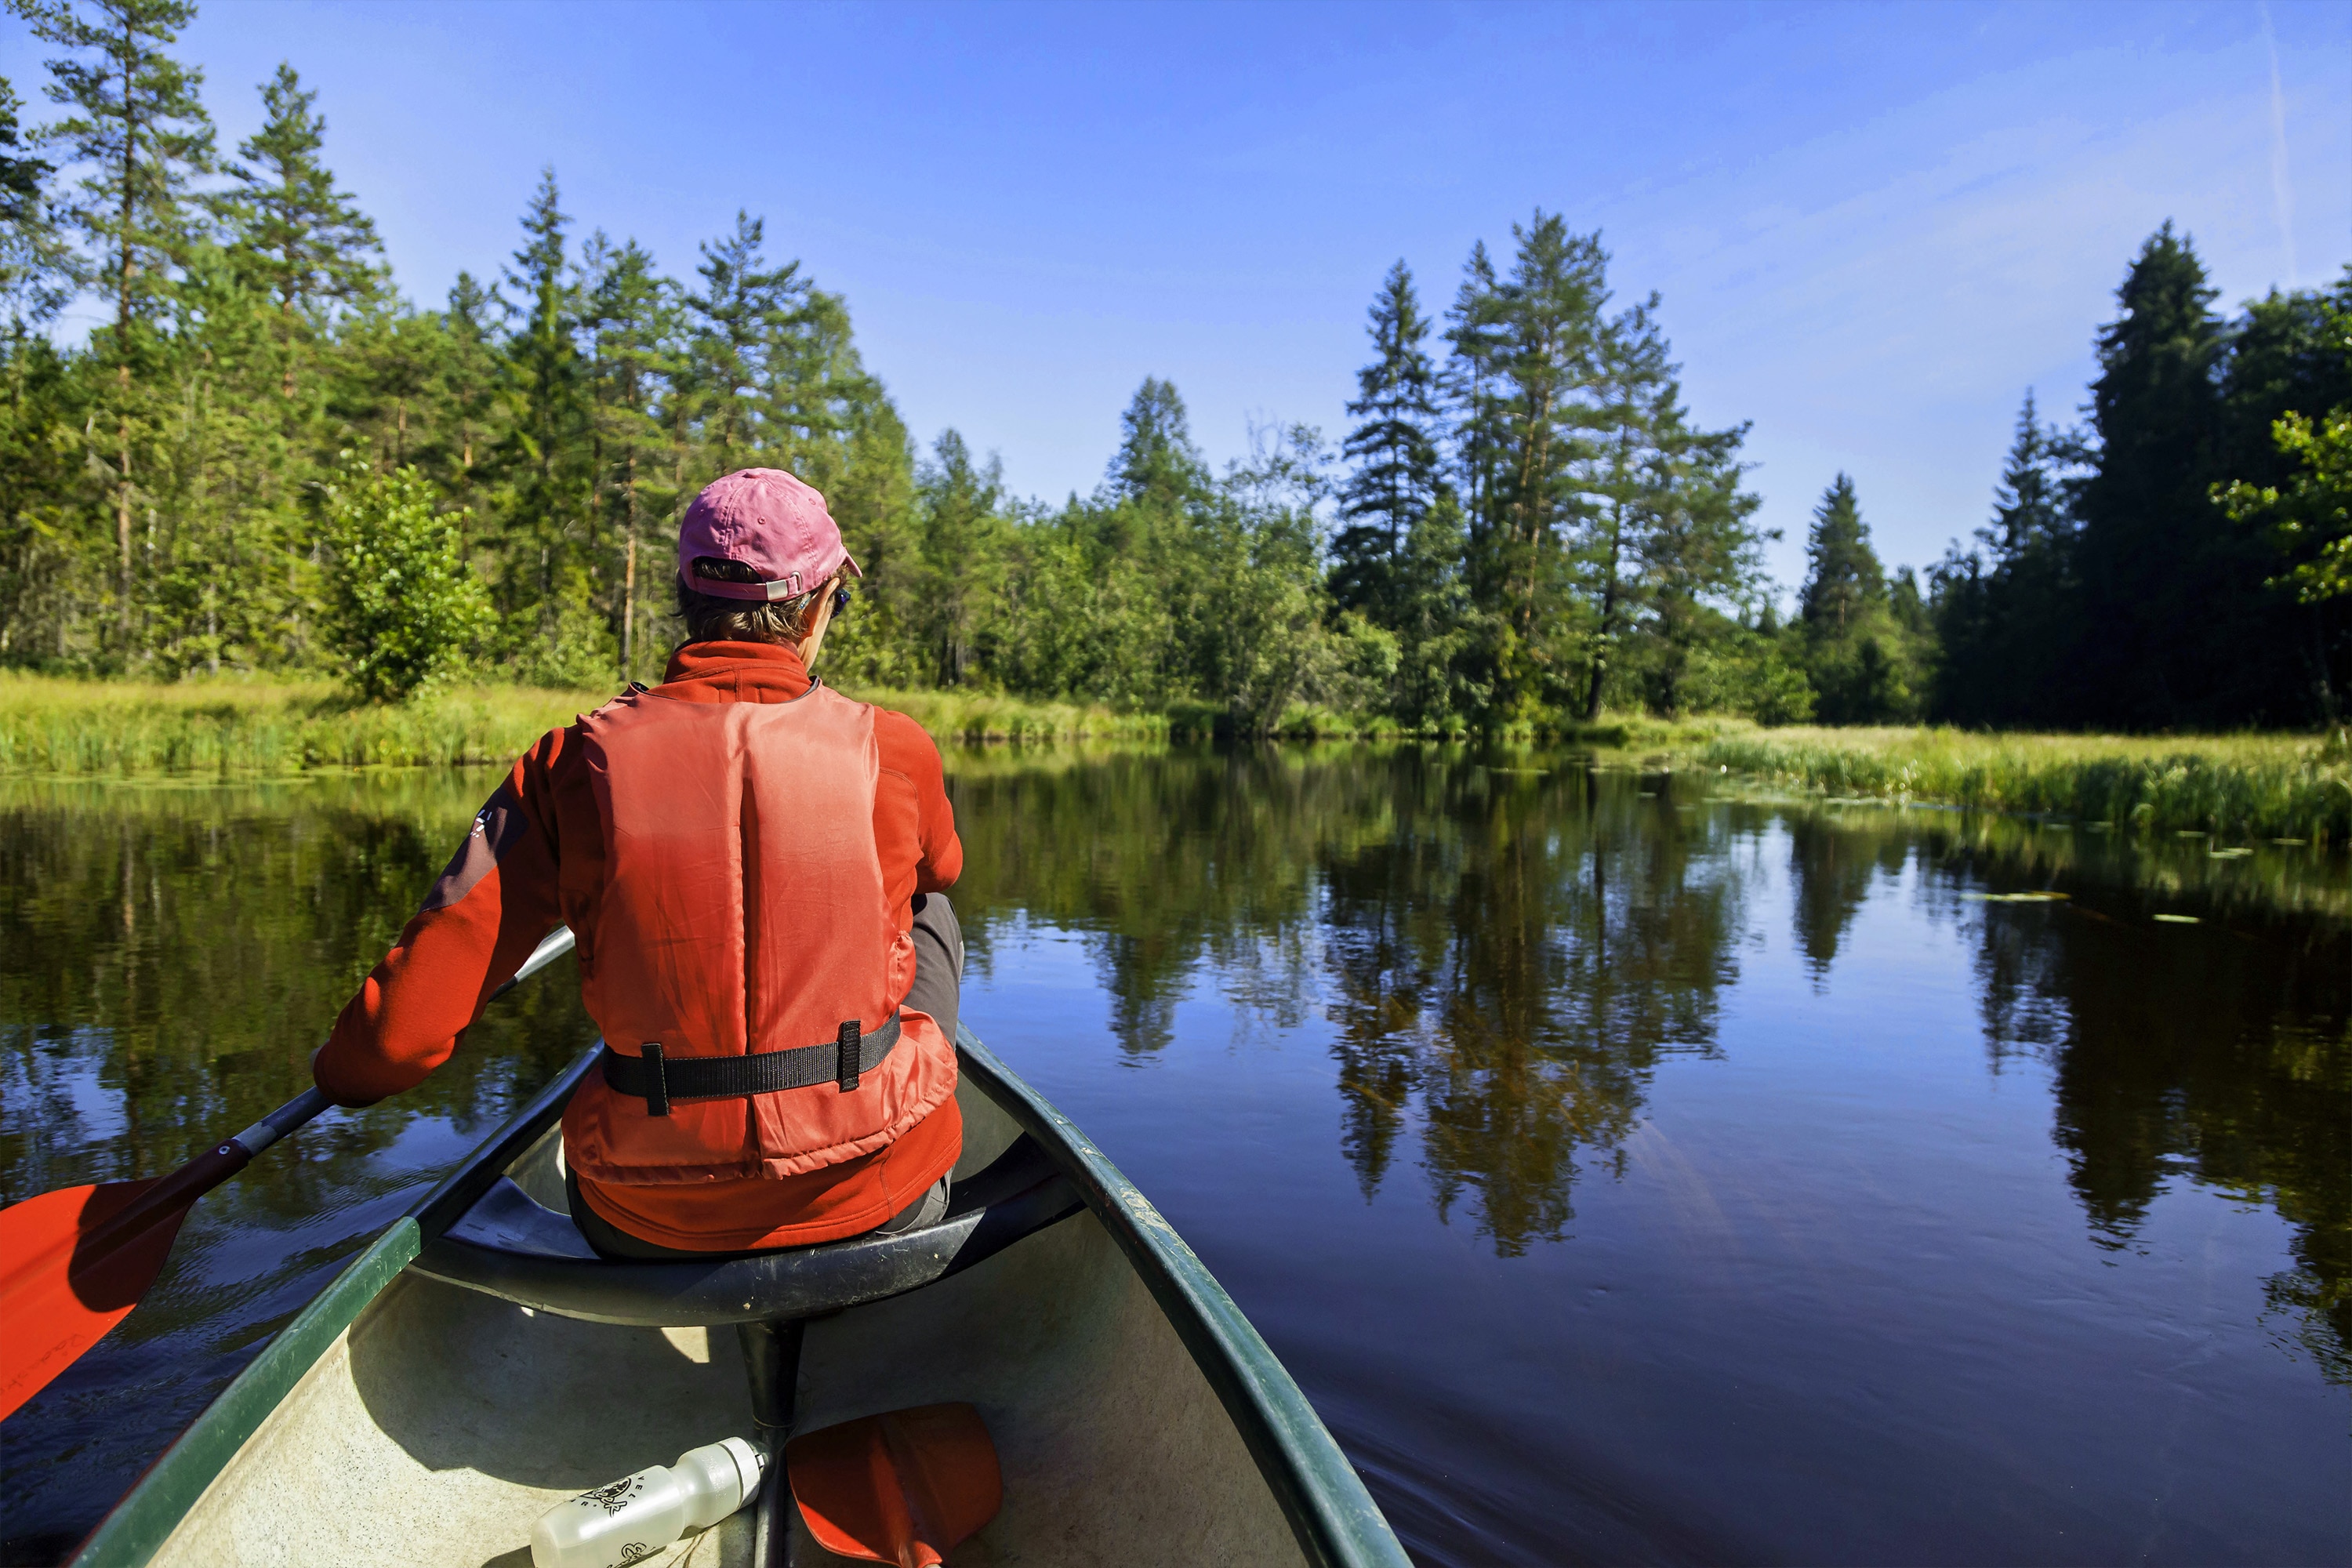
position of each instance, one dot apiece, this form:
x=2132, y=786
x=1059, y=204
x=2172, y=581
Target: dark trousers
x=938, y=989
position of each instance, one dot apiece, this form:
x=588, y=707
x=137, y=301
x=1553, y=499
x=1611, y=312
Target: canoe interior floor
x=445, y=1422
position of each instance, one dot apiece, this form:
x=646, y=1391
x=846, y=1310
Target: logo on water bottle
x=612, y=1499
x=635, y=1551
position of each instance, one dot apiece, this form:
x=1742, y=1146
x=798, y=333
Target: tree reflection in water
x=1519, y=961
x=1506, y=949
x=1509, y=949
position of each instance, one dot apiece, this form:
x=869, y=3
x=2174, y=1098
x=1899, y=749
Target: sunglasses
x=840, y=600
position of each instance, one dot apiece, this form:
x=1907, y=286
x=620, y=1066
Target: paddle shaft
x=74, y=1261
x=218, y=1163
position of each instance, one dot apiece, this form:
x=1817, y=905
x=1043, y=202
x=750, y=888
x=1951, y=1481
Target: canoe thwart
x=508, y=1245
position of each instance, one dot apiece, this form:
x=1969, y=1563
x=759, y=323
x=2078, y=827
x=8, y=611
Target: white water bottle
x=631, y=1520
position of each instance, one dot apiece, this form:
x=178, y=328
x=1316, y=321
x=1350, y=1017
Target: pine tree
x=22, y=177
x=36, y=275
x=1700, y=549
x=1525, y=347
x=631, y=320
x=136, y=121
x=305, y=240
x=1550, y=310
x=1395, y=455
x=1634, y=424
x=740, y=368
x=36, y=267
x=1157, y=461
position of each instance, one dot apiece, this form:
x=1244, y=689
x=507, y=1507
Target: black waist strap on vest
x=657, y=1079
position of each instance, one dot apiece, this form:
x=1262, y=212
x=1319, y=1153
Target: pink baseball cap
x=769, y=522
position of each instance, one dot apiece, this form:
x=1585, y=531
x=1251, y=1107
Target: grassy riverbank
x=2235, y=786
x=2231, y=787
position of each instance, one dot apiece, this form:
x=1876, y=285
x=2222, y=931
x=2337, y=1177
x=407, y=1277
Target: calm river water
x=1630, y=1171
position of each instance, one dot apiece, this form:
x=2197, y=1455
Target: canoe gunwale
x=1334, y=1518
x=1337, y=1524
x=145, y=1516
x=138, y=1525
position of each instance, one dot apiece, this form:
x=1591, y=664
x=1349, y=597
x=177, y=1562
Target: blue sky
x=1872, y=227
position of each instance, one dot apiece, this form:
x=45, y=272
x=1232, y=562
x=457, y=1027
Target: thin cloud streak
x=2282, y=187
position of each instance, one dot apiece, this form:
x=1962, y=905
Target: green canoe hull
x=400, y=1419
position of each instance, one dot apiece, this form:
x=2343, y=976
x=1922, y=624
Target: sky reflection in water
x=1629, y=1174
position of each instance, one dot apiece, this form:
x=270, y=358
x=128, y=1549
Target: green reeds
x=2230, y=786
x=236, y=728
x=229, y=727
x=968, y=716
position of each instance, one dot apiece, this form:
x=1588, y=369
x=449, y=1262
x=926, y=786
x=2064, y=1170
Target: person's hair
x=710, y=618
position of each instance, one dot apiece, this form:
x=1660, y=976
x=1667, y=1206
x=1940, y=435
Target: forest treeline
x=265, y=457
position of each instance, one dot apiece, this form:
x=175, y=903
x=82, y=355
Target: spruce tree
x=135, y=121
x=307, y=242
x=467, y=376
x=1395, y=451
x=1473, y=380
x=965, y=549
x=1856, y=655
x=2029, y=518
x=2032, y=592
x=2003, y=612
x=545, y=461
x=2151, y=568
x=2286, y=397
x=1844, y=581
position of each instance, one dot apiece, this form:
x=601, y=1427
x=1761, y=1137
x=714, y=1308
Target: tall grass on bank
x=216, y=727
x=57, y=727
x=2232, y=786
x=953, y=716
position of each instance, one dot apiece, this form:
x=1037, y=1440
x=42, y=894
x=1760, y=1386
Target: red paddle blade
x=67, y=1277
x=906, y=1487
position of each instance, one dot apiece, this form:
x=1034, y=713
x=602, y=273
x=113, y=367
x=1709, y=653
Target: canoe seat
x=508, y=1245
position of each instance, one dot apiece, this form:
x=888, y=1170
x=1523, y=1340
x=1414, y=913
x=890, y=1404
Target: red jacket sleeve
x=906, y=748
x=498, y=898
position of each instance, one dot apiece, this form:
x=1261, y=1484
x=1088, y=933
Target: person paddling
x=755, y=869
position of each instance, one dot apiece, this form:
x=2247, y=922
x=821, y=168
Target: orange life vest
x=744, y=912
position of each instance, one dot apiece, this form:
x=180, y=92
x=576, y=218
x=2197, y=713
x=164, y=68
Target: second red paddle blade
x=66, y=1278
x=906, y=1487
